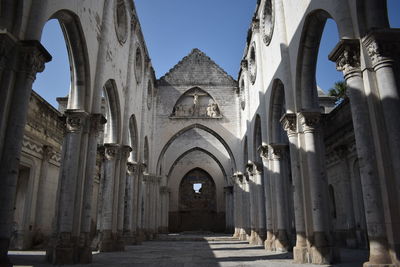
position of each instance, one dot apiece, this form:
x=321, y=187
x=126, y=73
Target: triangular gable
x=197, y=69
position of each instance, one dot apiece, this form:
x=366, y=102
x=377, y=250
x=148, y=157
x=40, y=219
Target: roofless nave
x=267, y=158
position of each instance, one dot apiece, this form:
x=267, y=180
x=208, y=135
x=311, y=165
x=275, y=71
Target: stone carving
x=277, y=151
x=347, y=56
x=253, y=64
x=97, y=122
x=268, y=21
x=121, y=21
x=309, y=120
x=289, y=124
x=196, y=103
x=382, y=46
x=33, y=57
x=111, y=151
x=132, y=168
x=75, y=120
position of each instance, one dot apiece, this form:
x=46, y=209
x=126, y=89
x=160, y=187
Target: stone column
x=140, y=202
x=238, y=204
x=228, y=190
x=125, y=152
x=252, y=205
x=63, y=249
x=164, y=193
x=145, y=205
x=107, y=237
x=97, y=122
x=278, y=175
x=347, y=57
x=345, y=189
x=322, y=251
x=31, y=58
x=268, y=192
x=130, y=213
x=300, y=251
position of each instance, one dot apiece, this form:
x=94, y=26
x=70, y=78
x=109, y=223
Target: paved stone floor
x=186, y=251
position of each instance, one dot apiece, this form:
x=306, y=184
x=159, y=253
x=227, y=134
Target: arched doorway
x=198, y=202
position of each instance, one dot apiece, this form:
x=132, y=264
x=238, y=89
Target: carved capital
x=238, y=177
x=32, y=58
x=309, y=120
x=111, y=151
x=75, y=120
x=263, y=150
x=253, y=168
x=278, y=151
x=132, y=168
x=346, y=54
x=382, y=46
x=125, y=151
x=97, y=122
x=289, y=123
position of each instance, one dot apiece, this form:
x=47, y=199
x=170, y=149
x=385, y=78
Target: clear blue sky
x=172, y=28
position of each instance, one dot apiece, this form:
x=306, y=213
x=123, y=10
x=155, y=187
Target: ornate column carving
x=363, y=131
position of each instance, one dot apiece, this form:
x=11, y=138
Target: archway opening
x=197, y=202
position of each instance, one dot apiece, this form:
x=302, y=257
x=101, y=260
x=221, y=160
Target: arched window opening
x=332, y=201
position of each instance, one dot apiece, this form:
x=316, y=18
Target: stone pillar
x=282, y=232
x=345, y=188
x=63, y=249
x=300, y=251
x=141, y=203
x=125, y=152
x=145, y=205
x=130, y=213
x=164, y=194
x=30, y=59
x=238, y=204
x=347, y=57
x=322, y=251
x=229, y=226
x=245, y=235
x=268, y=192
x=254, y=238
x=108, y=238
x=97, y=122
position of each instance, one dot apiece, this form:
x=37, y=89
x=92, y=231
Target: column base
x=85, y=255
x=257, y=238
x=282, y=241
x=324, y=255
x=269, y=243
x=140, y=236
x=63, y=250
x=301, y=255
x=109, y=242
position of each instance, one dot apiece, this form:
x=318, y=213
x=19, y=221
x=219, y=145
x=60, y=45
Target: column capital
x=143, y=168
x=346, y=55
x=7, y=43
x=277, y=151
x=32, y=57
x=309, y=120
x=132, y=168
x=263, y=150
x=111, y=150
x=255, y=25
x=237, y=177
x=97, y=121
x=253, y=168
x=382, y=45
x=125, y=151
x=289, y=123
x=75, y=120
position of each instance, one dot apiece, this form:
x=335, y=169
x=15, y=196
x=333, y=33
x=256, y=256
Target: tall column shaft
x=347, y=57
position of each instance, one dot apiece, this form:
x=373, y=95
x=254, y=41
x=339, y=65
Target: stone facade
x=289, y=169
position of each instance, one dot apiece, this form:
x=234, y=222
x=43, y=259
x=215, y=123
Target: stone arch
x=133, y=138
x=146, y=152
x=196, y=126
x=277, y=109
x=79, y=95
x=202, y=150
x=113, y=113
x=306, y=88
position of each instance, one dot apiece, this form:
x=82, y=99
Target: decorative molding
x=346, y=54
x=278, y=151
x=111, y=151
x=32, y=57
x=309, y=120
x=97, y=122
x=289, y=123
x=125, y=151
x=132, y=168
x=75, y=120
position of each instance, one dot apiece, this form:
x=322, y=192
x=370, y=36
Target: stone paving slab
x=190, y=253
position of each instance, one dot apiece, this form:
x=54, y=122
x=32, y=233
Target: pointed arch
x=277, y=109
x=113, y=113
x=133, y=138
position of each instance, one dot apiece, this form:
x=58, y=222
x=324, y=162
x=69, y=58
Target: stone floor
x=189, y=250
